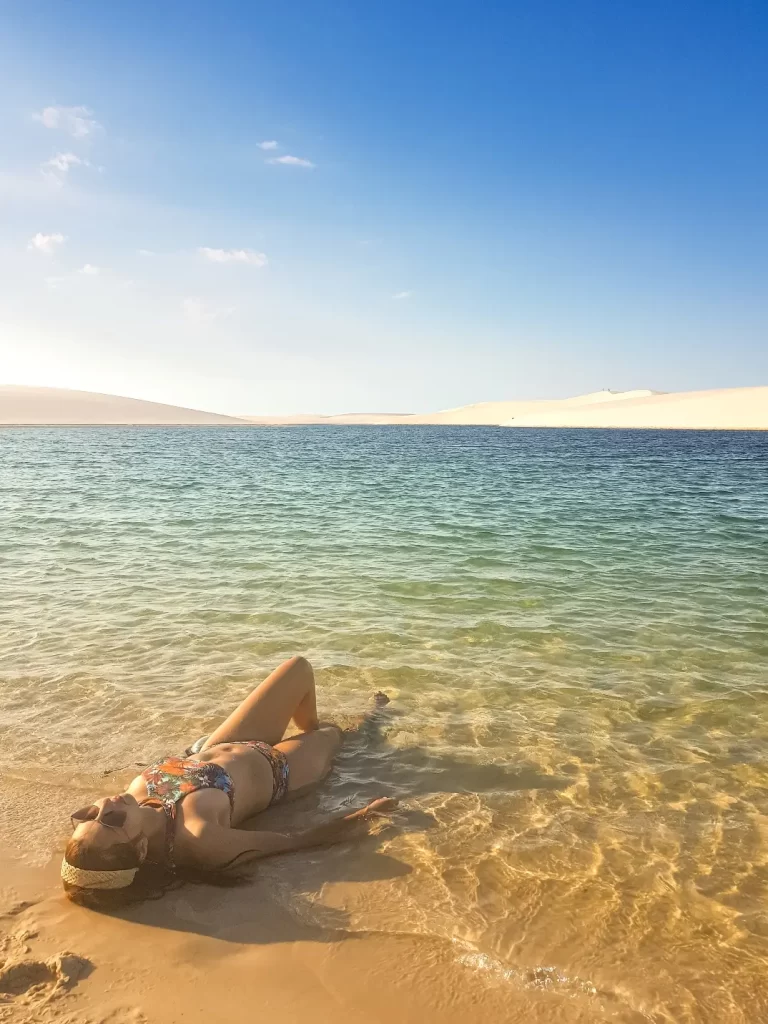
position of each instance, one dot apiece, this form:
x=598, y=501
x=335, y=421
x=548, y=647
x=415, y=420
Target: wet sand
x=203, y=953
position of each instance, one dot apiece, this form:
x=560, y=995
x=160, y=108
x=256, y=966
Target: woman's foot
x=379, y=700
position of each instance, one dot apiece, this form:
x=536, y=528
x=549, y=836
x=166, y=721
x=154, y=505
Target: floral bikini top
x=169, y=781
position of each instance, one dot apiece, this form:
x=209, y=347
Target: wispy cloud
x=255, y=259
x=402, y=295
x=77, y=121
x=89, y=270
x=268, y=144
x=62, y=162
x=291, y=161
x=45, y=243
x=196, y=311
x=56, y=170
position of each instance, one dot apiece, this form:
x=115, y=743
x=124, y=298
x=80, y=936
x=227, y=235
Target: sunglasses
x=112, y=819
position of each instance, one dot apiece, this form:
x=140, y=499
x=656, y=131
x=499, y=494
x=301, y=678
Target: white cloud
x=89, y=268
x=268, y=144
x=198, y=312
x=57, y=168
x=292, y=161
x=77, y=121
x=62, y=162
x=45, y=243
x=256, y=259
x=146, y=252
x=402, y=295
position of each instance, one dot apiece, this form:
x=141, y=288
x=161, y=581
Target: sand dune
x=478, y=414
x=495, y=413
x=23, y=405
x=722, y=409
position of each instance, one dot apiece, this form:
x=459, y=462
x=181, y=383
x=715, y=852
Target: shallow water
x=573, y=627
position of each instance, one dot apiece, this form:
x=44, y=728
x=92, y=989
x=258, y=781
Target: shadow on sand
x=258, y=911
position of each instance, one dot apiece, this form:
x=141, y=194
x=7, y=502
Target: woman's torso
x=252, y=785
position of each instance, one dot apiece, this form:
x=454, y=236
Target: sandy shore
x=203, y=954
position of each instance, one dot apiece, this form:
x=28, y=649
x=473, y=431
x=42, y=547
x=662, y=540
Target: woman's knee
x=298, y=663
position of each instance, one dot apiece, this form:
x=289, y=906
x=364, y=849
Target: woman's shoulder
x=200, y=819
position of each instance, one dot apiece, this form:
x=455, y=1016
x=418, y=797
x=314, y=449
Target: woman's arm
x=218, y=846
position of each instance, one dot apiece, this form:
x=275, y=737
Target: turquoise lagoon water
x=572, y=625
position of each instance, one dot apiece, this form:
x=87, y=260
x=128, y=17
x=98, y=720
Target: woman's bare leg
x=309, y=756
x=288, y=693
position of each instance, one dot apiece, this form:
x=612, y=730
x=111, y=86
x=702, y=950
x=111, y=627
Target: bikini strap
x=169, y=809
x=170, y=832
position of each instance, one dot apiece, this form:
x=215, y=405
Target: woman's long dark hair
x=151, y=880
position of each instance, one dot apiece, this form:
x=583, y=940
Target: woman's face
x=112, y=819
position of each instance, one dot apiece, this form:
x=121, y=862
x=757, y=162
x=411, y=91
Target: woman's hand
x=351, y=826
x=375, y=809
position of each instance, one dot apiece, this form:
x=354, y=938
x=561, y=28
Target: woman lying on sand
x=183, y=813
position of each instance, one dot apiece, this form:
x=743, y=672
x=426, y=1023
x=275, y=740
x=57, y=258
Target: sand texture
x=203, y=954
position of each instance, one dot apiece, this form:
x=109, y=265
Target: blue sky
x=464, y=203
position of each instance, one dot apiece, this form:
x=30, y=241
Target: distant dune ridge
x=58, y=406
x=721, y=409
